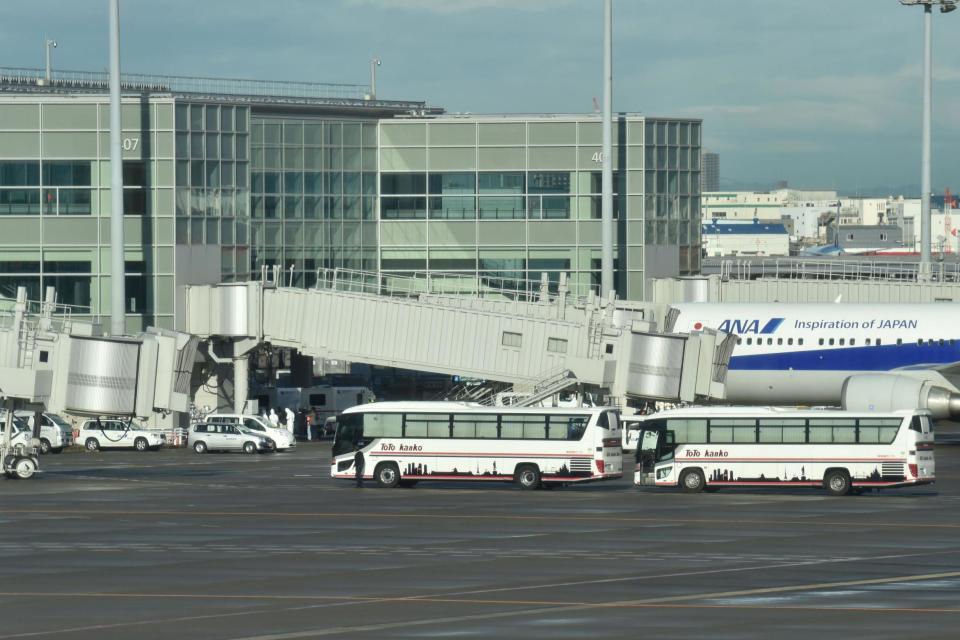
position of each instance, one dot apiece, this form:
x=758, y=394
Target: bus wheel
x=692, y=481
x=837, y=482
x=527, y=477
x=387, y=475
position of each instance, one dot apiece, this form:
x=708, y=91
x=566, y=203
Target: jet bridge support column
x=241, y=382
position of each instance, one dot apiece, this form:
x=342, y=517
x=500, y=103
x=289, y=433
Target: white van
x=205, y=436
x=55, y=432
x=118, y=434
x=282, y=438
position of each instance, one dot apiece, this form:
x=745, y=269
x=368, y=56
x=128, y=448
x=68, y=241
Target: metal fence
x=184, y=84
x=454, y=285
x=838, y=269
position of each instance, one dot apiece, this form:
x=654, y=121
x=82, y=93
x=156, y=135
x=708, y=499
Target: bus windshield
x=349, y=433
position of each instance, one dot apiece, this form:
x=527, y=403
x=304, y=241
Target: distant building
x=862, y=238
x=710, y=172
x=744, y=239
x=740, y=205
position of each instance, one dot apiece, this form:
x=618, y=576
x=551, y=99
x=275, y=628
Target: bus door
x=631, y=432
x=651, y=442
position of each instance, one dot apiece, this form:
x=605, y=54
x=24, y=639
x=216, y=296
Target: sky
x=821, y=93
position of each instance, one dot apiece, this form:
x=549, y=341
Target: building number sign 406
x=130, y=144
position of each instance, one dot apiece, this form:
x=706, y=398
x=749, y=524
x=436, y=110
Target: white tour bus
x=403, y=442
x=699, y=448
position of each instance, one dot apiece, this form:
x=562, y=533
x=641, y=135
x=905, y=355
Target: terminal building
x=223, y=178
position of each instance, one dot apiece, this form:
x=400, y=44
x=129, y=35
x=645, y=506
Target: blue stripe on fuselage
x=872, y=358
x=772, y=325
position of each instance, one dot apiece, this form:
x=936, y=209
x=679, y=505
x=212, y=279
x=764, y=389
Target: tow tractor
x=19, y=448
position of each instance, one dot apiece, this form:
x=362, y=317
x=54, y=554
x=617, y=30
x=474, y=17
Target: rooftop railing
x=835, y=269
x=184, y=84
x=453, y=285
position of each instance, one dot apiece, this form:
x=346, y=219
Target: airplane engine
x=892, y=391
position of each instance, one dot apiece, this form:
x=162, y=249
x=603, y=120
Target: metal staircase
x=550, y=385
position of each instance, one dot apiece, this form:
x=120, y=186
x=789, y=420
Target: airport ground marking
x=544, y=606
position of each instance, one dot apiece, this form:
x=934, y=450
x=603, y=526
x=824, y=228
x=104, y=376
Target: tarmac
x=171, y=544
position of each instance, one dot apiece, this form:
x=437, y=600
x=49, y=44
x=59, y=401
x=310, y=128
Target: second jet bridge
x=537, y=338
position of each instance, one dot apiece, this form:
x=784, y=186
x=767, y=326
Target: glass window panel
x=403, y=208
x=549, y=182
x=196, y=145
x=271, y=133
x=67, y=173
x=19, y=202
x=292, y=182
x=383, y=425
x=213, y=145
x=293, y=206
x=20, y=174
x=212, y=118
x=226, y=118
x=432, y=425
x=502, y=208
x=456, y=183
x=196, y=116
x=474, y=426
x=271, y=182
x=501, y=182
x=453, y=207
x=226, y=147
x=403, y=183
x=181, y=116
x=820, y=434
x=313, y=182
x=567, y=427
x=313, y=134
x=688, y=430
x=351, y=182
x=293, y=133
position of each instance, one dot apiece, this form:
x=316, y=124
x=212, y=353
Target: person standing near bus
x=358, y=465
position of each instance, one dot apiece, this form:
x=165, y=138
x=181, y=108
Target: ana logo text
x=746, y=325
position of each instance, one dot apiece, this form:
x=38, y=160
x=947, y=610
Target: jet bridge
x=540, y=337
x=52, y=362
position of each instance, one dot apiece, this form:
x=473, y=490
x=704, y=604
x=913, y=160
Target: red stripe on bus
x=791, y=459
x=816, y=483
x=484, y=454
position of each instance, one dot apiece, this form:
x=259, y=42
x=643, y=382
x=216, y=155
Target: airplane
x=864, y=357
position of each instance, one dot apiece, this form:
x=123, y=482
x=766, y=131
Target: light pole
x=374, y=63
x=606, y=176
x=946, y=6
x=117, y=284
x=50, y=44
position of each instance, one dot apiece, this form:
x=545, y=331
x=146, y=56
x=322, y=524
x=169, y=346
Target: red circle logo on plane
x=697, y=326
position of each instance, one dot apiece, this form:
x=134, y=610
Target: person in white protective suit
x=290, y=418
x=274, y=418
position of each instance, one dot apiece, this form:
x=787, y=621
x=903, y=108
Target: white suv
x=282, y=438
x=117, y=434
x=227, y=437
x=55, y=432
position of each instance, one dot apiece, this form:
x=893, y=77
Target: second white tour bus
x=405, y=442
x=701, y=448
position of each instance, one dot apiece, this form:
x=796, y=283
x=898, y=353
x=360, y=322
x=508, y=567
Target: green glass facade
x=216, y=189
x=314, y=195
x=514, y=197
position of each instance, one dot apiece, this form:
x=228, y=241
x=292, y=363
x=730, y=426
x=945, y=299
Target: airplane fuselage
x=802, y=353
